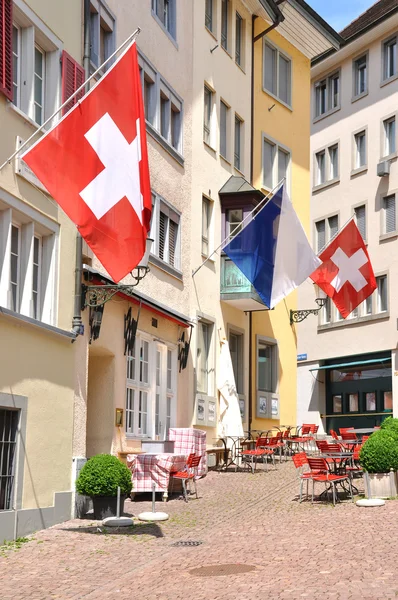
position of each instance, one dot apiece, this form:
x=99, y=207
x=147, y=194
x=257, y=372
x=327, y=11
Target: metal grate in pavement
x=187, y=543
x=217, y=570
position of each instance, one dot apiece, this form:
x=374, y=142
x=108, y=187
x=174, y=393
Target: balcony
x=236, y=289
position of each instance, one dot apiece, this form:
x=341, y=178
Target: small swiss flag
x=346, y=273
x=94, y=163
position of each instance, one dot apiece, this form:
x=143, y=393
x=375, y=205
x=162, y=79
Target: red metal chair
x=258, y=452
x=188, y=474
x=321, y=474
x=334, y=434
x=274, y=444
x=345, y=429
x=300, y=461
x=355, y=466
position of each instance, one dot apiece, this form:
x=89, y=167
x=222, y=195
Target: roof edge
x=316, y=20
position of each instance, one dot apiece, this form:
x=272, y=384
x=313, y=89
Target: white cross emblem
x=349, y=269
x=121, y=176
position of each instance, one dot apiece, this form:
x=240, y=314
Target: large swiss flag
x=346, y=273
x=94, y=163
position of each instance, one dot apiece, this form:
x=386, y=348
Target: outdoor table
x=148, y=469
x=364, y=430
x=232, y=448
x=340, y=460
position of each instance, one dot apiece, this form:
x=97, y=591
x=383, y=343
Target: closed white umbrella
x=230, y=421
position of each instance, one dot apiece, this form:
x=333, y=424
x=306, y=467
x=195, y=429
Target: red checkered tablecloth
x=187, y=440
x=147, y=469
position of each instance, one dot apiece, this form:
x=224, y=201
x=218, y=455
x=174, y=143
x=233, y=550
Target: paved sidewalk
x=296, y=550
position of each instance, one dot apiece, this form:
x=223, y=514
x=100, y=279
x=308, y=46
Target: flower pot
x=106, y=506
x=381, y=485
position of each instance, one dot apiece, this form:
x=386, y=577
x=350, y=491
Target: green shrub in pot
x=391, y=425
x=101, y=476
x=380, y=452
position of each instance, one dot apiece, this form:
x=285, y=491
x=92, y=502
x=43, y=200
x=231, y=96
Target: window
x=327, y=311
x=382, y=302
x=390, y=58
x=38, y=86
x=165, y=230
x=165, y=12
x=360, y=76
x=389, y=224
x=16, y=64
x=224, y=23
x=239, y=39
x=150, y=388
x=277, y=73
x=327, y=165
x=320, y=235
x=27, y=257
x=102, y=34
x=266, y=366
x=163, y=108
x=208, y=108
x=238, y=144
x=234, y=218
x=204, y=361
x=327, y=94
x=326, y=229
x=8, y=442
x=320, y=167
x=224, y=119
x=389, y=136
x=334, y=162
x=360, y=214
x=360, y=150
x=206, y=216
x=276, y=163
x=236, y=350
x=333, y=223
x=209, y=8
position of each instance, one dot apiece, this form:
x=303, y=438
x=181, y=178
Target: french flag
x=273, y=251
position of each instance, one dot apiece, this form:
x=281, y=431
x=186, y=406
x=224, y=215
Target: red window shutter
x=72, y=78
x=6, y=77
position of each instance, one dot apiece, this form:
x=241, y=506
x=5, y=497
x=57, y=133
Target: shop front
x=358, y=390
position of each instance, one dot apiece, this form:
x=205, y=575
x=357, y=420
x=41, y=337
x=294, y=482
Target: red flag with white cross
x=346, y=274
x=94, y=163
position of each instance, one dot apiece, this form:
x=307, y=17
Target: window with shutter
x=162, y=234
x=321, y=235
x=6, y=55
x=333, y=226
x=172, y=242
x=360, y=213
x=72, y=78
x=389, y=212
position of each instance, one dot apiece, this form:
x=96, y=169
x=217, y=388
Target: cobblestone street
x=297, y=550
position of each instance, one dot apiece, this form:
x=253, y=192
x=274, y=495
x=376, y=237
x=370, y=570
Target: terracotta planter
x=106, y=506
x=381, y=485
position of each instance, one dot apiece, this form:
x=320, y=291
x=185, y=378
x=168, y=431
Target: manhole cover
x=187, y=543
x=217, y=570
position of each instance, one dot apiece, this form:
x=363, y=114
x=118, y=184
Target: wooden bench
x=219, y=453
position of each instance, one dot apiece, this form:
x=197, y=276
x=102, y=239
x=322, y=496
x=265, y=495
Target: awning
x=374, y=361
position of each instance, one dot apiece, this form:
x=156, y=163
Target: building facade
x=347, y=372
x=37, y=258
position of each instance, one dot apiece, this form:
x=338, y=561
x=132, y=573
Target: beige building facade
x=354, y=174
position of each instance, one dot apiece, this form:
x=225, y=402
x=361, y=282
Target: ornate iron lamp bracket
x=296, y=316
x=97, y=295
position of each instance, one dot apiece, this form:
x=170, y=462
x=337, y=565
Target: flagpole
x=240, y=225
x=79, y=89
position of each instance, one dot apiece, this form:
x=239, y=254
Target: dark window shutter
x=72, y=78
x=162, y=234
x=6, y=48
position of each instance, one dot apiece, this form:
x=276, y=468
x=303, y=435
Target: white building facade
x=347, y=368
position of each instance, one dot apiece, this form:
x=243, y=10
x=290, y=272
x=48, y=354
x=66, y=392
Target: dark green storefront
x=358, y=390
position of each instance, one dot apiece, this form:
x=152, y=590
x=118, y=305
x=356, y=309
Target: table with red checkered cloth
x=187, y=440
x=148, y=468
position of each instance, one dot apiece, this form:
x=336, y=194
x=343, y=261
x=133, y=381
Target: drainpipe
x=250, y=374
x=77, y=315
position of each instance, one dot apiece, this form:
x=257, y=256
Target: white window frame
x=17, y=71
x=159, y=88
x=275, y=157
x=17, y=283
x=33, y=32
x=356, y=94
x=155, y=386
x=385, y=44
x=386, y=150
x=169, y=28
x=227, y=44
x=225, y=154
x=384, y=198
x=329, y=108
x=273, y=344
x=211, y=19
x=356, y=167
x=31, y=224
x=210, y=364
x=159, y=204
x=326, y=150
x=207, y=240
x=328, y=232
x=238, y=143
x=275, y=94
x=101, y=17
x=355, y=209
x=240, y=50
x=36, y=76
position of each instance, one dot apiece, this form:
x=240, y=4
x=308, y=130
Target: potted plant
x=379, y=460
x=99, y=478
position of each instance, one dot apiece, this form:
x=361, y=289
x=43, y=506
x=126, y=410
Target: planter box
x=106, y=506
x=380, y=485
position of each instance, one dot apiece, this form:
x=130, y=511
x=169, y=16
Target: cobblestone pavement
x=297, y=550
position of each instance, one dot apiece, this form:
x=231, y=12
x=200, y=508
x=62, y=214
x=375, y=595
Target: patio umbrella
x=230, y=421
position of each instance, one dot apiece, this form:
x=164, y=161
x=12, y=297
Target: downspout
x=77, y=315
x=250, y=374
